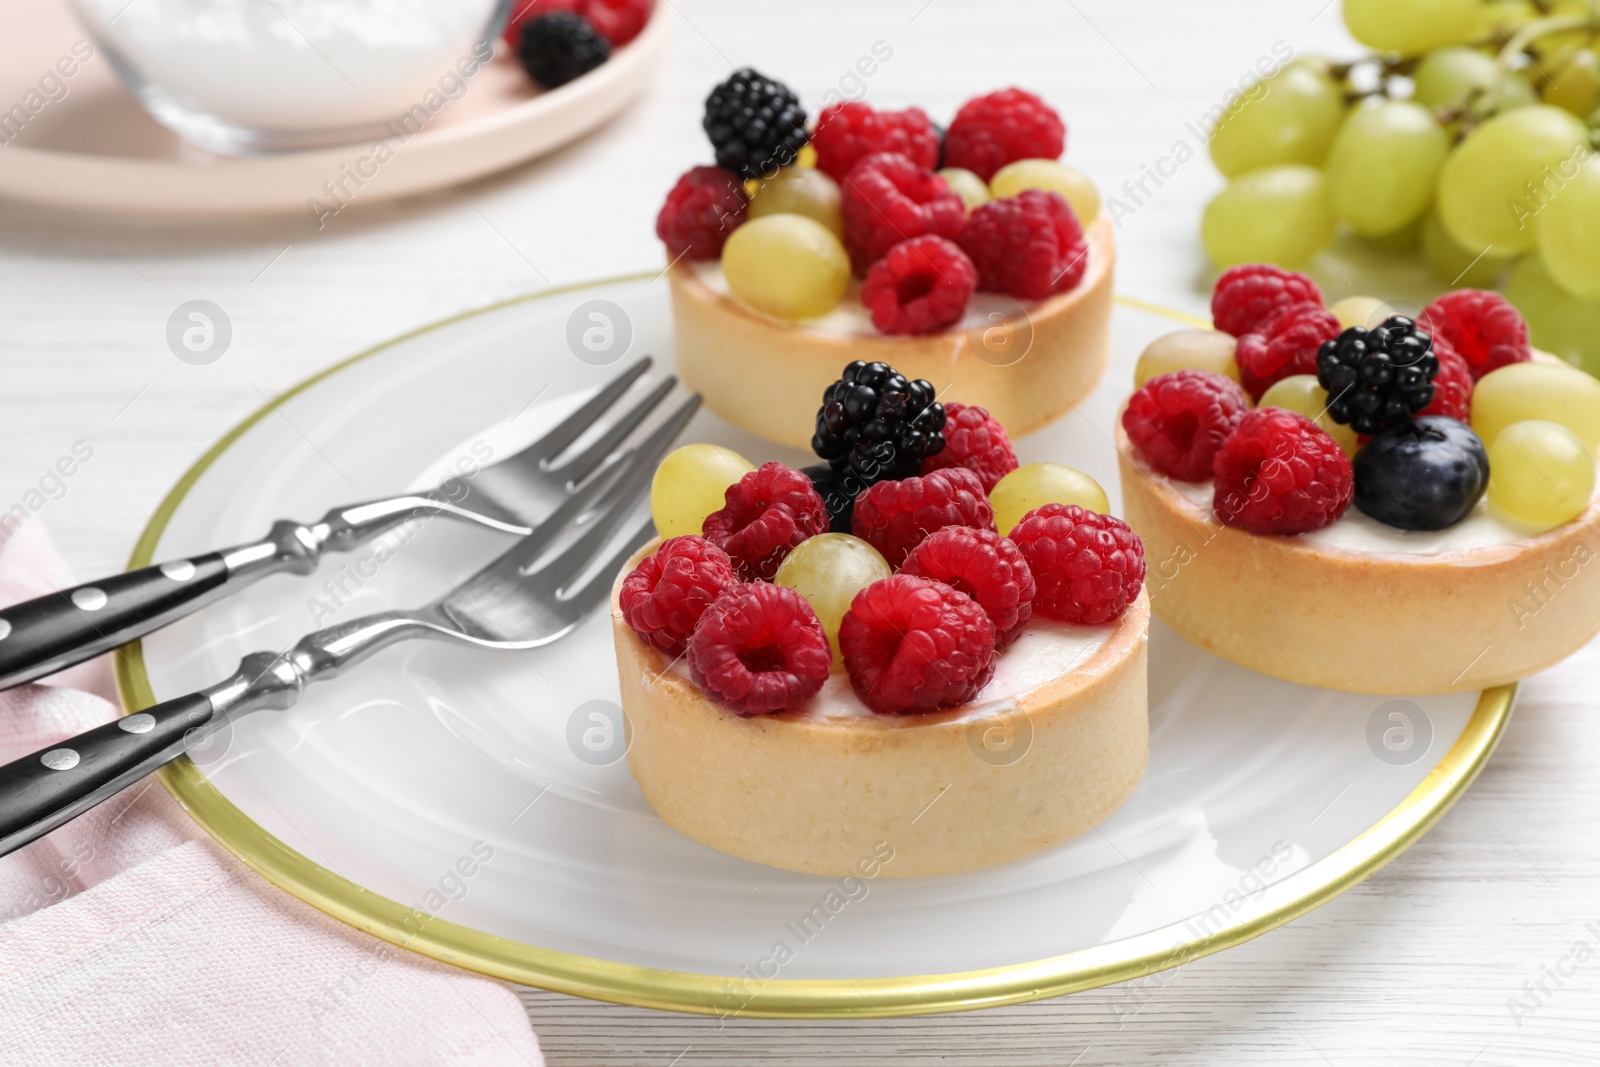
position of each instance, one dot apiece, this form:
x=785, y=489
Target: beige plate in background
x=95, y=149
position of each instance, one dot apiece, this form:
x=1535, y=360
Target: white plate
x=375, y=796
x=94, y=148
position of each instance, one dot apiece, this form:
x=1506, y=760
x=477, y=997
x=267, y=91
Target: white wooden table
x=1418, y=966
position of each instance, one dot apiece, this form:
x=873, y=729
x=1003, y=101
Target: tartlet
x=946, y=791
x=1364, y=622
x=1028, y=365
x=1370, y=545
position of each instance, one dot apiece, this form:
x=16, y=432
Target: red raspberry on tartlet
x=618, y=21
x=894, y=517
x=1283, y=344
x=764, y=515
x=665, y=595
x=1481, y=326
x=1245, y=295
x=1179, y=420
x=1280, y=473
x=1003, y=127
x=1088, y=567
x=703, y=208
x=915, y=645
x=1452, y=386
x=759, y=648
x=1029, y=245
x=886, y=198
x=845, y=132
x=973, y=439
x=919, y=286
x=985, y=566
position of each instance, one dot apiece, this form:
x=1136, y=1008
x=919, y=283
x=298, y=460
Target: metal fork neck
x=276, y=679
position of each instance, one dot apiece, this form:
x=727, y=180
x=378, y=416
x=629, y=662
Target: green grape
x=1484, y=186
x=1383, y=164
x=1557, y=321
x=800, y=191
x=1555, y=392
x=1568, y=229
x=1210, y=350
x=1412, y=27
x=1038, y=484
x=1290, y=117
x=829, y=570
x=1541, y=474
x=1407, y=238
x=1073, y=185
x=789, y=266
x=1456, y=266
x=1278, y=215
x=1514, y=90
x=1576, y=86
x=1364, y=311
x=690, y=484
x=968, y=186
x=1301, y=393
x=1449, y=77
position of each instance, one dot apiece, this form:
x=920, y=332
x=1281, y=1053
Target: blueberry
x=1424, y=474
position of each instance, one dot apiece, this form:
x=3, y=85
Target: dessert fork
x=535, y=593
x=52, y=632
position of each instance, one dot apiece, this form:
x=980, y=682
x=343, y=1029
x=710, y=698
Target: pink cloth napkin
x=129, y=937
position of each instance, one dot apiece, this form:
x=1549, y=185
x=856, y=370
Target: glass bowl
x=252, y=76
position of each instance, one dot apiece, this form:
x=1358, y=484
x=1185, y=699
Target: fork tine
x=655, y=446
x=571, y=428
x=579, y=467
x=597, y=587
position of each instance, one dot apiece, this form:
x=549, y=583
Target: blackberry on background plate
x=560, y=46
x=1421, y=474
x=755, y=124
x=877, y=425
x=1377, y=378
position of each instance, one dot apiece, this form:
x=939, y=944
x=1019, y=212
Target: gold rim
x=563, y=972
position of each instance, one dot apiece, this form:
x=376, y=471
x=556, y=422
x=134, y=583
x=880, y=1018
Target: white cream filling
x=1044, y=652
x=1356, y=531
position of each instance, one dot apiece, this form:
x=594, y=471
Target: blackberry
x=755, y=124
x=875, y=425
x=838, y=490
x=560, y=46
x=1377, y=378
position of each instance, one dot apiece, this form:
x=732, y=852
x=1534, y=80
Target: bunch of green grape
x=1467, y=134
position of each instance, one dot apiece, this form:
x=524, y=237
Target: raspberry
x=894, y=517
x=1283, y=343
x=888, y=199
x=618, y=21
x=767, y=513
x=985, y=566
x=706, y=205
x=1452, y=386
x=1481, y=327
x=1248, y=293
x=974, y=440
x=919, y=286
x=1088, y=566
x=666, y=593
x=846, y=132
x=759, y=648
x=1179, y=420
x=914, y=645
x=560, y=47
x=991, y=131
x=1280, y=473
x=1029, y=245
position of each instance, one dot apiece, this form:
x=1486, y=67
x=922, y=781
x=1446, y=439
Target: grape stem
x=1519, y=42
